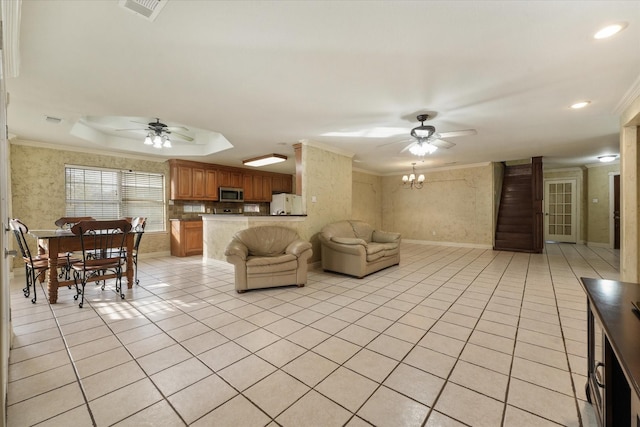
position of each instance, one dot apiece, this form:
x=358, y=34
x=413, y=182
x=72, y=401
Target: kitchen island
x=218, y=230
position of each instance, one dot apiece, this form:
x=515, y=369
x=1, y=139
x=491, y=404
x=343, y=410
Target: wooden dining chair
x=35, y=267
x=70, y=221
x=103, y=245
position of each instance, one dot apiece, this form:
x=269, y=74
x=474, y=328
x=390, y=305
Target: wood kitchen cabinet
x=282, y=183
x=186, y=237
x=200, y=181
x=193, y=181
x=229, y=178
x=257, y=188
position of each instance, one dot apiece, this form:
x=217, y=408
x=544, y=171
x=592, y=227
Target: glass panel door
x=560, y=211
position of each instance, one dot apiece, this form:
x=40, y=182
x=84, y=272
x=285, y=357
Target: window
x=109, y=194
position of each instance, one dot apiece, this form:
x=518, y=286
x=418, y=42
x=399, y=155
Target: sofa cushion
x=376, y=251
x=272, y=264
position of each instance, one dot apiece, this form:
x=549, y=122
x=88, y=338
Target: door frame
x=611, y=207
x=577, y=211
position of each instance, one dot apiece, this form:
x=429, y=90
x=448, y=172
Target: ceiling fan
x=427, y=140
x=161, y=130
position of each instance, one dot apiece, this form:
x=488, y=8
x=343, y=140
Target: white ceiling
x=268, y=74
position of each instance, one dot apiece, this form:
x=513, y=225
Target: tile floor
x=451, y=337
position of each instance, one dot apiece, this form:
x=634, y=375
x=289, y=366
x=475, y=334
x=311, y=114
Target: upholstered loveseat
x=355, y=248
x=268, y=256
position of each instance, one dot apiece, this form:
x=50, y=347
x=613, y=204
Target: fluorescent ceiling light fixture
x=379, y=132
x=610, y=30
x=267, y=159
x=607, y=158
x=579, y=105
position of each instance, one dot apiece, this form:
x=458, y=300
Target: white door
x=560, y=216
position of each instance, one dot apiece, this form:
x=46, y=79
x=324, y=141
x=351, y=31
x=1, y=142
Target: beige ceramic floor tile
x=201, y=398
x=201, y=343
x=43, y=382
x=391, y=347
x=162, y=359
x=436, y=419
x=78, y=416
x=180, y=376
x=517, y=417
x=314, y=409
x=237, y=412
x=415, y=383
x=310, y=368
x=308, y=337
x=347, y=388
x=112, y=379
x=543, y=402
x=430, y=361
x=45, y=406
x=281, y=352
x=487, y=358
x=542, y=375
x=447, y=345
x=158, y=415
x=264, y=395
x=246, y=372
x=118, y=404
x=336, y=349
x=469, y=407
x=389, y=408
x=372, y=365
x=482, y=380
x=259, y=338
x=223, y=355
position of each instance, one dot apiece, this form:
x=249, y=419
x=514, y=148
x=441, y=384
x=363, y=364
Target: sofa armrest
x=297, y=247
x=235, y=248
x=385, y=237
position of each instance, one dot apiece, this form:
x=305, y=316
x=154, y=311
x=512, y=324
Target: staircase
x=519, y=224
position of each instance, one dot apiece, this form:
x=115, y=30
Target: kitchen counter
x=218, y=229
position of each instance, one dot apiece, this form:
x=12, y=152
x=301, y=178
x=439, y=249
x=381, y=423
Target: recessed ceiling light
x=580, y=104
x=610, y=30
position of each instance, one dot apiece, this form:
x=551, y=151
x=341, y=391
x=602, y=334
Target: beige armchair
x=355, y=248
x=268, y=256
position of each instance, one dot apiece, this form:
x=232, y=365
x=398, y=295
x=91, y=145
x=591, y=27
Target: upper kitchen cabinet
x=257, y=188
x=229, y=178
x=193, y=181
x=282, y=183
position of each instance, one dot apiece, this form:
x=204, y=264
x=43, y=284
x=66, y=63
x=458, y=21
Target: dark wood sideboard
x=613, y=384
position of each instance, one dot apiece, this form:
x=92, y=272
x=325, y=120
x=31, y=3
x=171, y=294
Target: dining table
x=57, y=241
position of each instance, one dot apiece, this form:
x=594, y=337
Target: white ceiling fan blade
x=181, y=128
x=441, y=143
x=458, y=133
x=182, y=136
x=395, y=142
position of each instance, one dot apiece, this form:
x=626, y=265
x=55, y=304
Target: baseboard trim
x=454, y=244
x=599, y=245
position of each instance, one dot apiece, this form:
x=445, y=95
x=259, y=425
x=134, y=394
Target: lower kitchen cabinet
x=186, y=237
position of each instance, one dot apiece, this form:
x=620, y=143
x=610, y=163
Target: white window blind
x=109, y=194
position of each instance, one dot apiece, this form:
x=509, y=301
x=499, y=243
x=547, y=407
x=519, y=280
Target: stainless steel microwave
x=228, y=194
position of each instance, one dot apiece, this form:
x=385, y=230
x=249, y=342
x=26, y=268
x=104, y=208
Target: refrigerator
x=286, y=204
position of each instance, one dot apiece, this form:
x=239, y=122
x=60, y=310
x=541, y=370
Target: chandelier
x=410, y=182
x=158, y=138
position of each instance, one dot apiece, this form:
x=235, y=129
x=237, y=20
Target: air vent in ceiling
x=146, y=8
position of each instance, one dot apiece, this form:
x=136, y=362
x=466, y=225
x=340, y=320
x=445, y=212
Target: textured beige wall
x=327, y=176
x=598, y=214
x=455, y=205
x=630, y=190
x=38, y=180
x=367, y=198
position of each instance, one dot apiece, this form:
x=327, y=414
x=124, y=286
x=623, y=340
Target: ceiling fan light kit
x=267, y=159
x=427, y=140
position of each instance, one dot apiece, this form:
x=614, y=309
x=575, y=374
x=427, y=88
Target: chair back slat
x=20, y=230
x=102, y=239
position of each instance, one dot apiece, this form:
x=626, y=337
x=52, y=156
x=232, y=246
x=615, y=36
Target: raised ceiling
x=268, y=74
